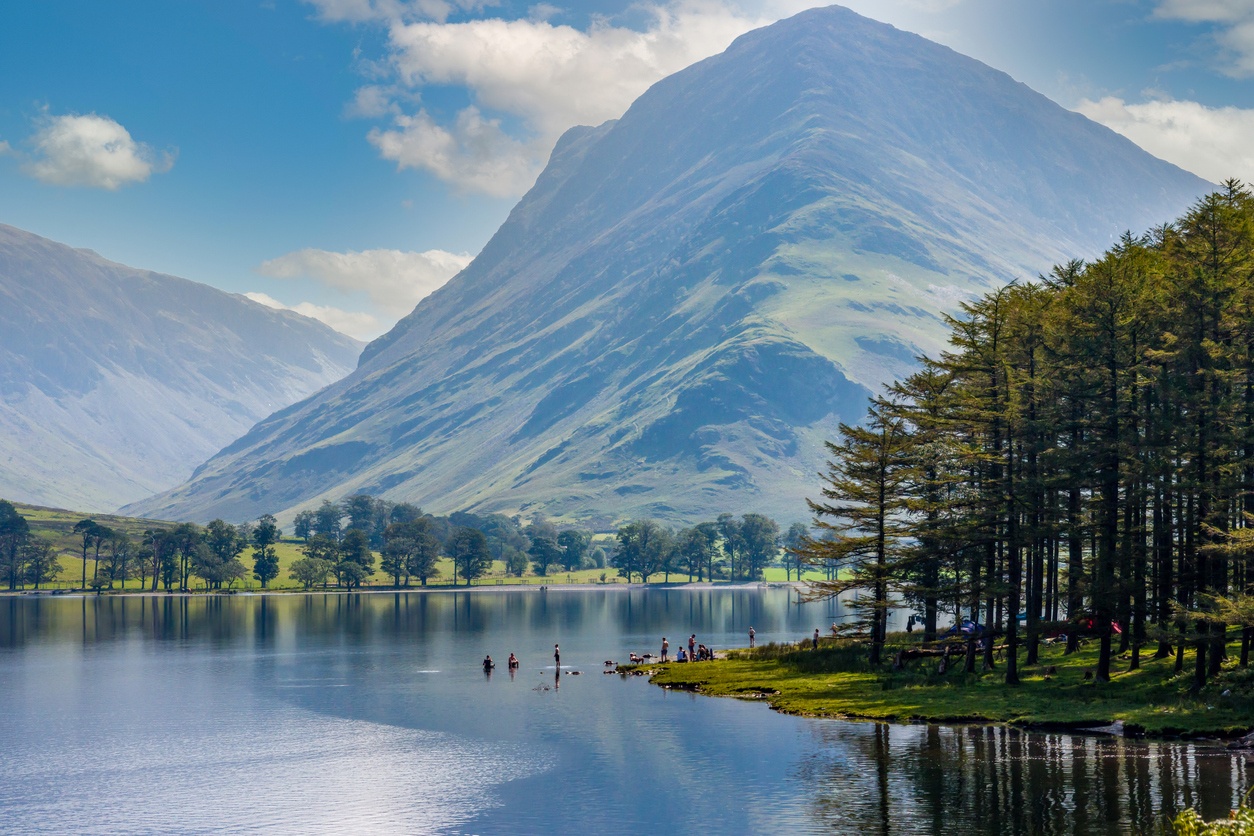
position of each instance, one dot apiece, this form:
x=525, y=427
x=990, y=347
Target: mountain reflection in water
x=371, y=713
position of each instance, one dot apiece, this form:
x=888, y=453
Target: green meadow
x=837, y=681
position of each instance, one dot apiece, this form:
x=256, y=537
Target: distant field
x=58, y=526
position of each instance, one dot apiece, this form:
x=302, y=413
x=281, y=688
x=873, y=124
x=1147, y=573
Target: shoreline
x=1145, y=704
x=497, y=588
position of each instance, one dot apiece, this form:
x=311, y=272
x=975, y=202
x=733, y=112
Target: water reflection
x=383, y=697
x=881, y=778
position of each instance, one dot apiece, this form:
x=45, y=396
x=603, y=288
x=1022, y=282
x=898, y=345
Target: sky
x=344, y=158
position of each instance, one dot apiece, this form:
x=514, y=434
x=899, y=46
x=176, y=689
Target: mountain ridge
x=115, y=381
x=690, y=299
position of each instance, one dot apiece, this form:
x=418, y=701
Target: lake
x=371, y=713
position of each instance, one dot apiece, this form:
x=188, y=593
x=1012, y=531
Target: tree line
x=737, y=549
x=1080, y=461
x=363, y=537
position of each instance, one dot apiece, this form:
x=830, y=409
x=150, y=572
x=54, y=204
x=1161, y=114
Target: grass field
x=836, y=681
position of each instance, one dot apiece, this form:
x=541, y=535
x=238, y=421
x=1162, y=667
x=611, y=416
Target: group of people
x=695, y=652
x=489, y=665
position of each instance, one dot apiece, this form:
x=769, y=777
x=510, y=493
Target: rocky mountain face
x=115, y=383
x=677, y=315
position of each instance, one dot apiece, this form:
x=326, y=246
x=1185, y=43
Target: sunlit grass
x=836, y=680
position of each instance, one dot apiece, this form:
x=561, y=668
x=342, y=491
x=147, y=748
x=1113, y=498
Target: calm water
x=370, y=713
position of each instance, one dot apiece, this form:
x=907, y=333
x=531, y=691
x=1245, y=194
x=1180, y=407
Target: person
x=816, y=638
x=910, y=624
x=692, y=645
x=557, y=656
x=513, y=661
x=751, y=635
x=835, y=632
x=666, y=646
x=682, y=657
x=488, y=664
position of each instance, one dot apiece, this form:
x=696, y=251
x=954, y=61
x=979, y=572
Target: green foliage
x=411, y=549
x=643, y=547
x=573, y=544
x=468, y=548
x=14, y=533
x=310, y=571
x=1239, y=823
x=544, y=554
x=39, y=562
x=327, y=519
x=265, y=559
x=303, y=524
x=356, y=560
x=1083, y=452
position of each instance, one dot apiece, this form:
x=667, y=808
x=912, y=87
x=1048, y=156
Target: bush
x=1240, y=823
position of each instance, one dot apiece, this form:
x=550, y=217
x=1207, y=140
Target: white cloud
x=529, y=80
x=543, y=11
x=547, y=77
x=558, y=76
x=1235, y=19
x=1213, y=143
x=371, y=102
x=6, y=150
x=357, y=324
x=394, y=280
x=91, y=150
x=473, y=153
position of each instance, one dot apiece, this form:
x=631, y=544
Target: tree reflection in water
x=878, y=778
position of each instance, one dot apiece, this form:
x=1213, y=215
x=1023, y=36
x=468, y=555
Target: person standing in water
x=557, y=656
x=751, y=635
x=666, y=646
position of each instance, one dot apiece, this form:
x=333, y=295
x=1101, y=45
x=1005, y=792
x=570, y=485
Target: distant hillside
x=691, y=298
x=115, y=383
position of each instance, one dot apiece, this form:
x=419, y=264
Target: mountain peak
x=692, y=297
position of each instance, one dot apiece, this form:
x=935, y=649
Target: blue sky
x=345, y=157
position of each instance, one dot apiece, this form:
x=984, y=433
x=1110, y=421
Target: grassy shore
x=836, y=681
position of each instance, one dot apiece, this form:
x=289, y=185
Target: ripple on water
x=306, y=773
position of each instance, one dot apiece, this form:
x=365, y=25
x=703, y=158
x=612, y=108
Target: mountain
x=115, y=383
x=676, y=316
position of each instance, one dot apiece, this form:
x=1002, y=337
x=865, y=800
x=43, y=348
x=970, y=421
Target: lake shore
x=836, y=682
x=390, y=590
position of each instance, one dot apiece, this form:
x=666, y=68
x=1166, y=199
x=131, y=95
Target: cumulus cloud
x=394, y=280
x=558, y=76
x=1213, y=143
x=531, y=79
x=1235, y=19
x=543, y=77
x=371, y=102
x=6, y=150
x=357, y=324
x=91, y=150
x=473, y=153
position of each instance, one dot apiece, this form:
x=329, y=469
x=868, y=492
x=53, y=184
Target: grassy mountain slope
x=692, y=297
x=116, y=382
